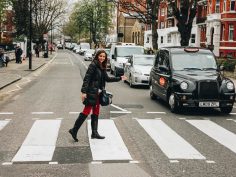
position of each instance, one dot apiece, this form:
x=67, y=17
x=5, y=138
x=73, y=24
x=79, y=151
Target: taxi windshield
x=193, y=61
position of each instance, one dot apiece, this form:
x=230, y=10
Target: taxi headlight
x=229, y=85
x=184, y=85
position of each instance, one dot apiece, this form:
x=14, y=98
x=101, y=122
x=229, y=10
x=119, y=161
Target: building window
x=223, y=32
x=168, y=38
x=147, y=40
x=162, y=25
x=224, y=5
x=169, y=23
x=193, y=36
x=232, y=5
x=162, y=11
x=169, y=11
x=231, y=32
x=217, y=6
x=161, y=39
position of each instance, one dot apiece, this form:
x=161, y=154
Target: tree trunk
x=185, y=33
x=154, y=35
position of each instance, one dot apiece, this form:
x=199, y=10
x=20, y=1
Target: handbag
x=105, y=98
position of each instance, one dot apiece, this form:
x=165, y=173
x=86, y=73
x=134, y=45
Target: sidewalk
x=14, y=72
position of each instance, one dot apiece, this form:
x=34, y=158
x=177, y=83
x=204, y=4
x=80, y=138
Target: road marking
x=40, y=142
x=110, y=148
x=120, y=112
x=232, y=113
x=182, y=118
x=53, y=163
x=42, y=113
x=156, y=112
x=117, y=107
x=166, y=139
x=133, y=161
x=210, y=161
x=218, y=133
x=3, y=123
x=6, y=113
x=74, y=112
x=174, y=161
x=7, y=163
x=96, y=162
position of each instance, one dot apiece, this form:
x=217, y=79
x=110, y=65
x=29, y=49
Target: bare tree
x=184, y=16
x=47, y=14
x=144, y=10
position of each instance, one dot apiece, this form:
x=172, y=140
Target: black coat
x=95, y=79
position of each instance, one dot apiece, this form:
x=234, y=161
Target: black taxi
x=190, y=77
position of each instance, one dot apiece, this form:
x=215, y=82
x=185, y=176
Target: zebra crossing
x=40, y=143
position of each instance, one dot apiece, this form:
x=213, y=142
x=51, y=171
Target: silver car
x=88, y=55
x=137, y=69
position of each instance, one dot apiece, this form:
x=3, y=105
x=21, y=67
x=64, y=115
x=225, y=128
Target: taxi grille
x=208, y=90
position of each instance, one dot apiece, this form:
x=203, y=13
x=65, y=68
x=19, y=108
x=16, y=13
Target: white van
x=119, y=55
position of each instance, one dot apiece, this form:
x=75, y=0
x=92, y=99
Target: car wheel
x=152, y=95
x=226, y=110
x=173, y=103
x=130, y=81
x=111, y=71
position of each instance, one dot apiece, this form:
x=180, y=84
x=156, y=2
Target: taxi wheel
x=111, y=71
x=226, y=110
x=173, y=103
x=152, y=95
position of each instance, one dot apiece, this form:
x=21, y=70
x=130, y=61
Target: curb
x=11, y=83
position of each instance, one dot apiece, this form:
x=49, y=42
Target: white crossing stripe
x=40, y=142
x=218, y=133
x=3, y=123
x=110, y=148
x=172, y=145
x=6, y=113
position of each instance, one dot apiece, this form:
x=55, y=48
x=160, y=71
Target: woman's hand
x=83, y=96
x=123, y=78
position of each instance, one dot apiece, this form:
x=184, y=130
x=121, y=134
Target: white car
x=137, y=69
x=88, y=55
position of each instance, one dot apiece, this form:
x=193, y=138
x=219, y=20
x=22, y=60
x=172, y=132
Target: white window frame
x=231, y=31
x=223, y=32
x=224, y=5
x=193, y=37
x=168, y=38
x=169, y=23
x=162, y=25
x=162, y=11
x=217, y=6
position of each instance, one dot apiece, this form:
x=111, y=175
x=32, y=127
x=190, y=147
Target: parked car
x=137, y=69
x=190, y=77
x=88, y=55
x=119, y=55
x=59, y=46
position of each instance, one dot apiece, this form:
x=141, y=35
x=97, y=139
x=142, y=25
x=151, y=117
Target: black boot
x=94, y=125
x=80, y=120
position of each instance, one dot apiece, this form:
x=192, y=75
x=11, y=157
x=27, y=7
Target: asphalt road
x=143, y=138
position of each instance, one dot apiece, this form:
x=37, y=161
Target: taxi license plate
x=209, y=104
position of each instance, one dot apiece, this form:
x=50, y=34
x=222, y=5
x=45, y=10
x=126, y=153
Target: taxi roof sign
x=191, y=49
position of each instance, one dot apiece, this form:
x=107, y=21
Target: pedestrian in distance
x=36, y=49
x=3, y=58
x=18, y=53
x=94, y=81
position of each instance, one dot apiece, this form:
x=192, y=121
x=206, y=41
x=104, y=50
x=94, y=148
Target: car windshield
x=143, y=60
x=193, y=61
x=128, y=51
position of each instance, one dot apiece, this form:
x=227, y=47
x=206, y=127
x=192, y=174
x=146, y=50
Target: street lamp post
x=30, y=37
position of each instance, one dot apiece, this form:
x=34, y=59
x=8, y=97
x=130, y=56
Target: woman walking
x=94, y=81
